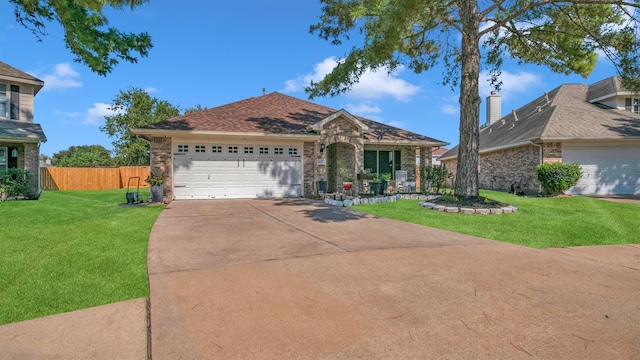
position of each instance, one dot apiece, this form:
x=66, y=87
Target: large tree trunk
x=466, y=184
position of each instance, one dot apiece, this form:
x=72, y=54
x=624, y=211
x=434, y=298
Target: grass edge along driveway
x=72, y=250
x=540, y=222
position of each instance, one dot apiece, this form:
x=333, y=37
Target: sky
x=215, y=52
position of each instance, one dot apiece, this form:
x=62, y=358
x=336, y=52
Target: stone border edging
x=424, y=203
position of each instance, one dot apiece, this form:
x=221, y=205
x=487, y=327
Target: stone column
x=162, y=162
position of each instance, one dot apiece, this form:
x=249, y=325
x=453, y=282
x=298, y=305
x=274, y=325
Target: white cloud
x=373, y=84
x=450, y=109
x=96, y=114
x=67, y=114
x=61, y=78
x=150, y=89
x=362, y=109
x=512, y=84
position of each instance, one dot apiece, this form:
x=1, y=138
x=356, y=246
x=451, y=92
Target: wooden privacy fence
x=69, y=178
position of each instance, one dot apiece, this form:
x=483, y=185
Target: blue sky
x=215, y=52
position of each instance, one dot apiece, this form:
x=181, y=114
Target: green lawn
x=72, y=250
x=540, y=222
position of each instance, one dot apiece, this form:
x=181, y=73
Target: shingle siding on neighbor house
x=512, y=146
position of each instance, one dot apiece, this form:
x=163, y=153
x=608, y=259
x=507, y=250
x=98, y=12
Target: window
x=10, y=102
x=264, y=150
x=632, y=104
x=200, y=148
x=293, y=151
x=15, y=102
x=381, y=162
x=183, y=148
x=248, y=149
x=278, y=151
x=233, y=149
x=216, y=149
x=3, y=101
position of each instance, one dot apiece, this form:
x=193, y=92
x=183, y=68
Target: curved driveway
x=294, y=279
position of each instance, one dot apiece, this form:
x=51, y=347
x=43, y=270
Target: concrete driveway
x=293, y=279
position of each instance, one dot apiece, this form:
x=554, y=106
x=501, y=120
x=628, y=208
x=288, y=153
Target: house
x=20, y=137
x=274, y=145
x=596, y=126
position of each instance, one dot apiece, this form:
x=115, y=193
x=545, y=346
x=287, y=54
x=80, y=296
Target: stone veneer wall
x=162, y=162
x=551, y=152
x=309, y=169
x=498, y=169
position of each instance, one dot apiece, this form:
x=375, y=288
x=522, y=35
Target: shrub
x=434, y=177
x=15, y=182
x=556, y=178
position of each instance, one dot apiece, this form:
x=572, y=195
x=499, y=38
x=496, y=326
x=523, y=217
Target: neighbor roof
x=564, y=113
x=21, y=131
x=10, y=73
x=274, y=113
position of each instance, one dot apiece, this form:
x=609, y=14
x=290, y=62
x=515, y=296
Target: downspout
x=539, y=163
x=39, y=175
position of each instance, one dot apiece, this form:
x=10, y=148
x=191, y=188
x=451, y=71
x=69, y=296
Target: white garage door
x=210, y=171
x=607, y=170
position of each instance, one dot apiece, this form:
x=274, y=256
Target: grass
x=72, y=250
x=540, y=222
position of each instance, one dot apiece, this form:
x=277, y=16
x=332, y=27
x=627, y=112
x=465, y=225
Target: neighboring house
x=274, y=146
x=435, y=155
x=20, y=137
x=596, y=126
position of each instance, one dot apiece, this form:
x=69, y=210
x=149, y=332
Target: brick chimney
x=494, y=108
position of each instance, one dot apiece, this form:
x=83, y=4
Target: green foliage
x=556, y=178
x=434, y=177
x=16, y=182
x=72, y=250
x=345, y=174
x=85, y=30
x=384, y=177
x=134, y=108
x=195, y=108
x=83, y=156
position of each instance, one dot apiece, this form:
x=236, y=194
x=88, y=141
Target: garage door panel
x=237, y=175
x=606, y=170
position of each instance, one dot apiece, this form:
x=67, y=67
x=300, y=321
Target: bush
x=434, y=177
x=15, y=182
x=556, y=178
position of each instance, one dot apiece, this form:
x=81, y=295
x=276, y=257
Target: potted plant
x=366, y=174
x=156, y=182
x=347, y=179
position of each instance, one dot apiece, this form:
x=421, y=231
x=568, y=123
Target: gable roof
x=275, y=114
x=11, y=130
x=564, y=113
x=10, y=73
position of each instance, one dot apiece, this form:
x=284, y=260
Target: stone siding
x=162, y=162
x=28, y=159
x=552, y=152
x=498, y=169
x=309, y=152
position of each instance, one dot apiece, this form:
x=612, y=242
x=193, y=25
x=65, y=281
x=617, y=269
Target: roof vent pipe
x=515, y=116
x=546, y=96
x=264, y=91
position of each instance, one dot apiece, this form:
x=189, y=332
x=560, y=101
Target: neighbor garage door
x=607, y=170
x=212, y=171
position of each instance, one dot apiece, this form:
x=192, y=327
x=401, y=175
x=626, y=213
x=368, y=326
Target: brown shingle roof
x=563, y=113
x=275, y=113
x=10, y=71
x=18, y=130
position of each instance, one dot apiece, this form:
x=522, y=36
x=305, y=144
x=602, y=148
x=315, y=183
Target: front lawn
x=540, y=222
x=72, y=250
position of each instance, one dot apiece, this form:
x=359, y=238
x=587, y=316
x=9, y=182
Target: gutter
x=173, y=133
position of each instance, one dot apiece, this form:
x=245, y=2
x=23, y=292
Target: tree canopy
x=467, y=35
x=82, y=156
x=134, y=108
x=85, y=31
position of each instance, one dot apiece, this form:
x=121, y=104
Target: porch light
x=322, y=147
x=14, y=153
